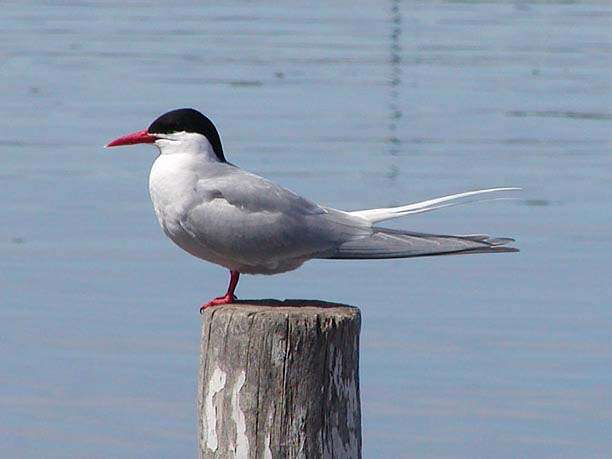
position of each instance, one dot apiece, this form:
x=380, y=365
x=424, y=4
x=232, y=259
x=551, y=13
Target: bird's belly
x=226, y=255
x=170, y=221
x=196, y=248
x=228, y=258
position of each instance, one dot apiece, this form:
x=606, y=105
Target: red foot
x=227, y=299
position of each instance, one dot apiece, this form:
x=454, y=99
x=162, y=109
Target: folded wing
x=390, y=243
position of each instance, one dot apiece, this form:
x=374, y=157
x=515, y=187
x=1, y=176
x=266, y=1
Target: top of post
x=291, y=307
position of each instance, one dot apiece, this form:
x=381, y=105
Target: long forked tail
x=389, y=243
x=379, y=215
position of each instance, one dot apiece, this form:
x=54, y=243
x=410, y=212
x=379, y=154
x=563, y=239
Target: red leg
x=229, y=297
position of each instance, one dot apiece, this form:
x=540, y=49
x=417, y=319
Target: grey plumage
x=389, y=243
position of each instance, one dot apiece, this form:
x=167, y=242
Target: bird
x=220, y=213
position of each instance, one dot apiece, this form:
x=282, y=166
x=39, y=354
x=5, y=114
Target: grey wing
x=248, y=218
x=389, y=243
x=253, y=220
x=257, y=194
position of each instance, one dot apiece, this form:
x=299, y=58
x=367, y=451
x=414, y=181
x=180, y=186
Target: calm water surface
x=354, y=105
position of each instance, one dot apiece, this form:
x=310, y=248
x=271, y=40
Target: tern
x=222, y=214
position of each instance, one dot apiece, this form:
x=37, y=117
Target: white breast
x=172, y=184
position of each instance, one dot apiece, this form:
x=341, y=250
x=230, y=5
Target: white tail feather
x=379, y=215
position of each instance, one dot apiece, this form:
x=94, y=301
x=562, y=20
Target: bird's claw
x=227, y=299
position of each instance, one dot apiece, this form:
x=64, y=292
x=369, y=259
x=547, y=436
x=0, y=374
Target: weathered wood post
x=280, y=380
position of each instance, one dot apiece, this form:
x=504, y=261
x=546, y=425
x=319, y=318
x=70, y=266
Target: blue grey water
x=354, y=105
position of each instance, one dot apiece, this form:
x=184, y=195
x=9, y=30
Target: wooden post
x=279, y=380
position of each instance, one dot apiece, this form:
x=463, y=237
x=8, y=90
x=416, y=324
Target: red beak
x=133, y=138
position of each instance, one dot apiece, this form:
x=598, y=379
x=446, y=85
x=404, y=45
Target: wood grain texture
x=280, y=380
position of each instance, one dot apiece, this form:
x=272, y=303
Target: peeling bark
x=279, y=380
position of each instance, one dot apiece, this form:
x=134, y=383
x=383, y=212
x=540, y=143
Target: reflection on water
x=393, y=142
x=486, y=356
x=559, y=114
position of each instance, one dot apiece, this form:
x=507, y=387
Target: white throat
x=185, y=143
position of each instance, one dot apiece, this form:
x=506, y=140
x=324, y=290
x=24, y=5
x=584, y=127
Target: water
x=355, y=106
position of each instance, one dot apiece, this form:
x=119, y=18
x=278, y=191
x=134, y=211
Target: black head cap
x=188, y=120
